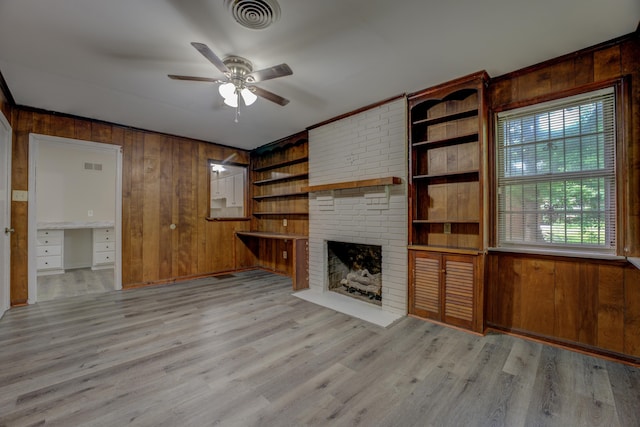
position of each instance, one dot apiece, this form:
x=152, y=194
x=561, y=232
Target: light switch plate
x=20, y=196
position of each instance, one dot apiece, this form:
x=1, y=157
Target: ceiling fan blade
x=195, y=79
x=269, y=95
x=269, y=73
x=208, y=53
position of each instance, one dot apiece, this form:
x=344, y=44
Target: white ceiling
x=109, y=59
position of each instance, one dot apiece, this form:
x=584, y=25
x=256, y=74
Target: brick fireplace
x=366, y=146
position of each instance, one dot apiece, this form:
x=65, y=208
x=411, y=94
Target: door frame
x=5, y=292
x=34, y=142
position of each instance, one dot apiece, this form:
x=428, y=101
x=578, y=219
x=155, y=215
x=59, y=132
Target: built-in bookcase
x=448, y=203
x=280, y=208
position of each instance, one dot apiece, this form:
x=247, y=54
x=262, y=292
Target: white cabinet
x=217, y=188
x=104, y=248
x=235, y=190
x=49, y=252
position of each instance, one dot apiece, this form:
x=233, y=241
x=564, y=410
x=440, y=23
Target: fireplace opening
x=355, y=270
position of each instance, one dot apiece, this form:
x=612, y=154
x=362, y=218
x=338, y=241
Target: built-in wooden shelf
x=281, y=164
x=447, y=117
x=469, y=137
x=390, y=180
x=446, y=221
x=279, y=213
x=282, y=178
x=444, y=249
x=268, y=235
x=271, y=196
x=448, y=174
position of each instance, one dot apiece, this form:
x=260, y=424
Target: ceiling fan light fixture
x=232, y=101
x=227, y=90
x=248, y=96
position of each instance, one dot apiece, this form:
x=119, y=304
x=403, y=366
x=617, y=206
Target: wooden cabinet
x=448, y=200
x=446, y=287
x=104, y=250
x=50, y=252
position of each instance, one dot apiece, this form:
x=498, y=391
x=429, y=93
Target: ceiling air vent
x=254, y=14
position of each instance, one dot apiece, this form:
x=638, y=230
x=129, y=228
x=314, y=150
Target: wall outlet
x=90, y=212
x=284, y=222
x=284, y=254
x=447, y=228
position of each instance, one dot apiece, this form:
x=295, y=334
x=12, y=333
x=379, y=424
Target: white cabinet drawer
x=49, y=241
x=49, y=250
x=104, y=247
x=42, y=234
x=103, y=235
x=49, y=262
x=100, y=258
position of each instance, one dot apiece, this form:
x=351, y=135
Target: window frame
x=621, y=113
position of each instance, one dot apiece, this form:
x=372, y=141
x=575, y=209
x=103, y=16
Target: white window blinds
x=556, y=174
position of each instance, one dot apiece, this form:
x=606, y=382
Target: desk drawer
x=49, y=241
x=103, y=235
x=101, y=258
x=49, y=250
x=104, y=247
x=43, y=234
x=49, y=262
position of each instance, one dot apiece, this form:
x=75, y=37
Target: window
x=556, y=174
x=227, y=190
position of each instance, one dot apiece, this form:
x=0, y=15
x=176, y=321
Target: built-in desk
x=299, y=258
x=50, y=253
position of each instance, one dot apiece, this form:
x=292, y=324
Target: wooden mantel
x=390, y=180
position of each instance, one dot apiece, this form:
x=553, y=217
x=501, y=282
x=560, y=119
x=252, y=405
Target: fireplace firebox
x=355, y=270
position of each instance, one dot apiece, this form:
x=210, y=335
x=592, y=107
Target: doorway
x=5, y=213
x=75, y=215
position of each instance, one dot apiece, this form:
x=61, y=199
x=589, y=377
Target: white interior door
x=5, y=213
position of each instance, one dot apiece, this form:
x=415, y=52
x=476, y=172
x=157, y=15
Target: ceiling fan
x=239, y=80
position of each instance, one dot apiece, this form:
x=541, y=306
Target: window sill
x=569, y=254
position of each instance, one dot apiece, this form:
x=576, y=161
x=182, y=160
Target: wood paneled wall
x=165, y=181
x=616, y=59
x=590, y=304
x=5, y=108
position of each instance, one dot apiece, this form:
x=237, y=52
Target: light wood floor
x=75, y=282
x=241, y=351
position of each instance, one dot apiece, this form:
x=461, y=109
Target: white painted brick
x=371, y=144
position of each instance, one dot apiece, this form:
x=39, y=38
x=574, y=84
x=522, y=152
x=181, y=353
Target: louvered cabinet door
x=425, y=289
x=459, y=290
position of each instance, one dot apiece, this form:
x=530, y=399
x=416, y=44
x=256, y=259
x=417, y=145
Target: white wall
x=371, y=144
x=66, y=191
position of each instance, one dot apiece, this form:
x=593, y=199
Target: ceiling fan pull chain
x=237, y=114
